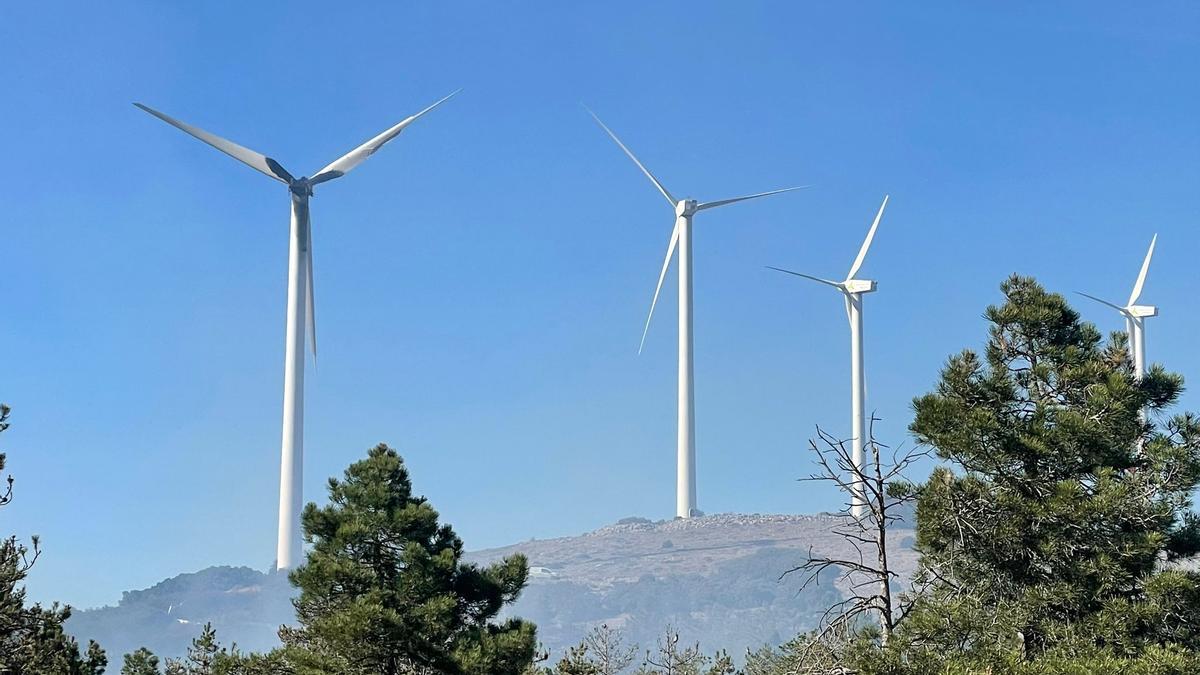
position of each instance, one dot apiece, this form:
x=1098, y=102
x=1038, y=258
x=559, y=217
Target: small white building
x=538, y=572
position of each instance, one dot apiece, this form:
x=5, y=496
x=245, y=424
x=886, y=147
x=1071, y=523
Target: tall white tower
x=300, y=310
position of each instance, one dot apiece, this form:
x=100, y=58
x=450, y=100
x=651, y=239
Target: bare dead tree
x=609, y=653
x=671, y=659
x=867, y=572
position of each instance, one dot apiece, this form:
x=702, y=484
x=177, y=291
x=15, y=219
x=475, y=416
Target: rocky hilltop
x=716, y=579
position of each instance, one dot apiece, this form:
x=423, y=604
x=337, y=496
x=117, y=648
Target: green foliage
x=32, y=640
x=140, y=662
x=206, y=656
x=385, y=590
x=575, y=662
x=203, y=655
x=1042, y=543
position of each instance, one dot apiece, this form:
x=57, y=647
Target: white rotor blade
x=348, y=161
x=1103, y=302
x=723, y=202
x=309, y=300
x=806, y=276
x=657, y=184
x=846, y=297
x=661, y=276
x=862, y=252
x=246, y=156
x=1141, y=280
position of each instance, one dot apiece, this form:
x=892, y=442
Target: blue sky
x=481, y=282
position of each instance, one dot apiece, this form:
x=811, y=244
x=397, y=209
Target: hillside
x=715, y=578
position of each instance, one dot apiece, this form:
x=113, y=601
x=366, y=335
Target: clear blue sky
x=482, y=281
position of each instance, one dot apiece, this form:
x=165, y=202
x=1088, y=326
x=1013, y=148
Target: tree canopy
x=1048, y=534
x=385, y=590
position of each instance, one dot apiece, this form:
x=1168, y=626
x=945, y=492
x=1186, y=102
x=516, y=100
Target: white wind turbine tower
x=681, y=239
x=853, y=290
x=299, y=308
x=1135, y=315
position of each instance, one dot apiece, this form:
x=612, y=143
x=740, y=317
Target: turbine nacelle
x=859, y=286
x=685, y=208
x=1141, y=311
x=301, y=187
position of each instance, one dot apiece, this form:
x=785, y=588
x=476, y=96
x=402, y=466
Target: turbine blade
x=806, y=276
x=1103, y=302
x=661, y=276
x=723, y=202
x=250, y=158
x=846, y=297
x=342, y=165
x=1141, y=280
x=309, y=299
x=657, y=184
x=862, y=252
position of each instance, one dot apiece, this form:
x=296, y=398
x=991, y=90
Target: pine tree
x=575, y=662
x=140, y=662
x=204, y=656
x=1046, y=535
x=385, y=591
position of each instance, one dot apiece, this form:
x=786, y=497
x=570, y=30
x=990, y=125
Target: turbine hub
x=685, y=207
x=301, y=187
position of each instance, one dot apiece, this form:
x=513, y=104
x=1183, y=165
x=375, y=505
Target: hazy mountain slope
x=246, y=606
x=715, y=578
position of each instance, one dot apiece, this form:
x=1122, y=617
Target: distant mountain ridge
x=714, y=578
x=245, y=605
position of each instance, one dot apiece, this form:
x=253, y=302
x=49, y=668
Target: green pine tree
x=385, y=591
x=204, y=656
x=140, y=662
x=574, y=662
x=1046, y=536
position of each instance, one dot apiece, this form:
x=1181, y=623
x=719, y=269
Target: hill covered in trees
x=716, y=579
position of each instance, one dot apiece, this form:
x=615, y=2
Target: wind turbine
x=681, y=239
x=300, y=310
x=1135, y=315
x=853, y=290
